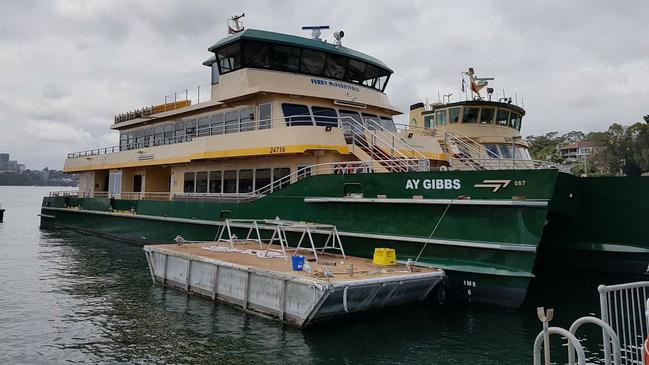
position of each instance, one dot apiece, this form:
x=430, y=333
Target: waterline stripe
x=484, y=245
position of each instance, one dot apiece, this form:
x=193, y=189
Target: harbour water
x=68, y=297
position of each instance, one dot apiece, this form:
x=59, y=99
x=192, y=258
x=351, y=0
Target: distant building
x=7, y=165
x=579, y=150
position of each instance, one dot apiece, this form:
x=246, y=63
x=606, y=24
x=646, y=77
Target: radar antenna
x=315, y=30
x=477, y=84
x=235, y=25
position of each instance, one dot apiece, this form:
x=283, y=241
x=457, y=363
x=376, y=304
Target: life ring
x=443, y=168
x=645, y=347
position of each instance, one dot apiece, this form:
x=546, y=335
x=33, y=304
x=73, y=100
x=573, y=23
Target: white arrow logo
x=495, y=184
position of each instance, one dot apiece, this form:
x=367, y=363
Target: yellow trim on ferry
x=239, y=152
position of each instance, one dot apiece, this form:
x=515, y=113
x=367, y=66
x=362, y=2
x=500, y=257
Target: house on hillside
x=579, y=150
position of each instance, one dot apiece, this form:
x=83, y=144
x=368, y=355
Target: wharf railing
x=622, y=307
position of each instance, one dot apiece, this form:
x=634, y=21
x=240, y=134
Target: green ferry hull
x=599, y=224
x=486, y=240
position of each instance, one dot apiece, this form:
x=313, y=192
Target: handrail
x=539, y=341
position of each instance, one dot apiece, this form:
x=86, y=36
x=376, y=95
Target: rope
x=434, y=229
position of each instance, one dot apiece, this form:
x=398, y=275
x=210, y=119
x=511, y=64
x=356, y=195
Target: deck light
x=410, y=135
x=328, y=128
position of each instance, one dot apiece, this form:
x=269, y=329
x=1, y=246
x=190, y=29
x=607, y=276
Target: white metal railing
x=175, y=100
x=337, y=168
x=622, y=307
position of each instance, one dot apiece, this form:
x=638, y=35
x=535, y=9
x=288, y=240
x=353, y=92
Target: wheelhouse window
x=179, y=132
x=355, y=71
x=131, y=140
x=375, y=77
x=453, y=115
x=440, y=117
x=189, y=181
x=335, y=66
x=296, y=114
x=139, y=138
x=515, y=121
x=470, y=115
x=429, y=121
x=265, y=115
x=201, y=182
x=230, y=181
x=190, y=128
x=325, y=116
x=216, y=182
x=229, y=58
x=286, y=58
x=123, y=142
x=502, y=117
x=312, y=62
x=245, y=181
x=487, y=116
x=388, y=124
x=256, y=54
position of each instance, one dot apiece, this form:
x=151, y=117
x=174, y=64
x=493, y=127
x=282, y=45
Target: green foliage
x=624, y=149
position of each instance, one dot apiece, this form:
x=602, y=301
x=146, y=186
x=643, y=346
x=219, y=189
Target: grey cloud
x=68, y=66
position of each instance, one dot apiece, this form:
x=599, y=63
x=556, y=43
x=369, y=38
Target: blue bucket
x=298, y=262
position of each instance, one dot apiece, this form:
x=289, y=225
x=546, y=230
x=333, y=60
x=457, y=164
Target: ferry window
x=279, y=173
x=324, y=116
x=262, y=178
x=217, y=123
x=453, y=115
x=201, y=182
x=229, y=57
x=296, y=114
x=515, y=121
x=429, y=120
x=179, y=132
x=522, y=153
x=158, y=135
x=247, y=119
x=256, y=54
x=470, y=115
x=492, y=150
x=148, y=137
x=232, y=122
x=487, y=116
x=245, y=181
x=190, y=128
x=169, y=134
x=370, y=121
x=505, y=151
x=265, y=116
x=303, y=171
x=440, y=117
x=351, y=122
x=123, y=141
x=139, y=138
x=286, y=58
x=375, y=77
x=215, y=73
x=131, y=140
x=502, y=117
x=355, y=71
x=188, y=186
x=215, y=182
x=204, y=126
x=230, y=181
x=388, y=124
x=335, y=66
x=313, y=62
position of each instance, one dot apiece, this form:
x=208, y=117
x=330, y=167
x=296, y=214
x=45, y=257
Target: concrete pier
x=269, y=287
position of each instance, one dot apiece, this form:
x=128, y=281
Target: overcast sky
x=66, y=67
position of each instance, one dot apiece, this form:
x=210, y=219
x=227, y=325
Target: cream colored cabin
x=279, y=103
